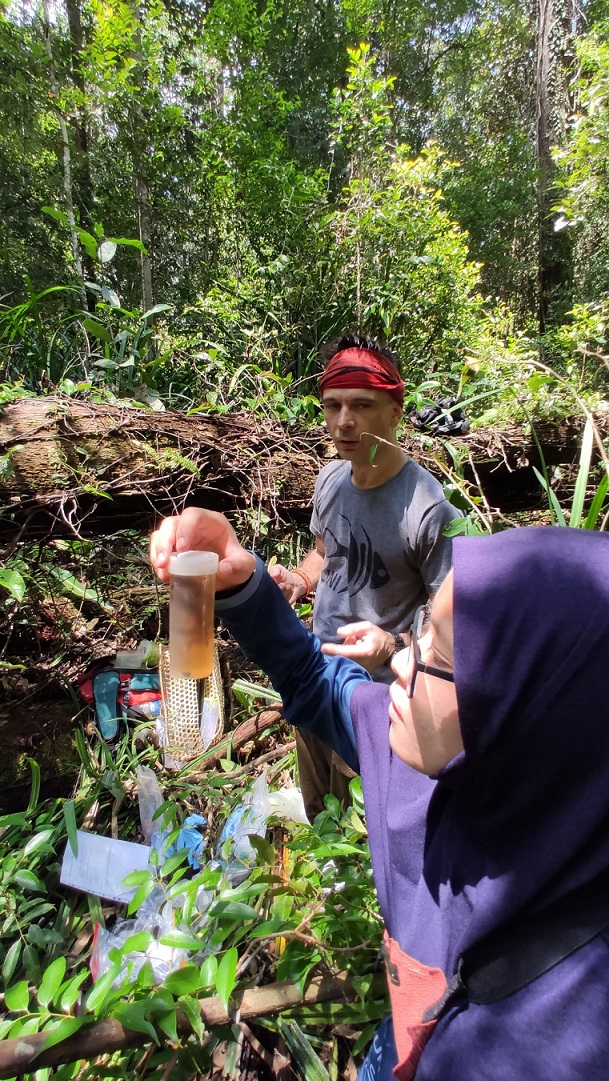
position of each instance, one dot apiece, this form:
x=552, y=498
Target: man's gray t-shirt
x=385, y=552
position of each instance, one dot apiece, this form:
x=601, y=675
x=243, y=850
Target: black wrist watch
x=398, y=642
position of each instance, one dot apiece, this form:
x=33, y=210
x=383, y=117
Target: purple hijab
x=522, y=816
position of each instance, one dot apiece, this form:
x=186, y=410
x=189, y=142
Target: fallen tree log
x=23, y=1053
x=82, y=468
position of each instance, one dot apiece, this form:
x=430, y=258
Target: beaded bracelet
x=307, y=581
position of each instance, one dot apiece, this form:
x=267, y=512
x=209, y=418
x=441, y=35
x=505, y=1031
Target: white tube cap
x=193, y=563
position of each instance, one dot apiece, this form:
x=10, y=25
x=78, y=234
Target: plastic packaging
x=150, y=798
x=250, y=817
x=146, y=655
x=154, y=916
x=288, y=803
x=210, y=719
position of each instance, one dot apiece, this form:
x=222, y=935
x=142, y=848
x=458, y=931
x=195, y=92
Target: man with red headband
x=378, y=518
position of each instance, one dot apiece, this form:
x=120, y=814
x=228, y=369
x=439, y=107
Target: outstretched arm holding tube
x=315, y=690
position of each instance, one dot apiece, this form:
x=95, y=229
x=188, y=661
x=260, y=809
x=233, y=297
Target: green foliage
x=49, y=343
x=583, y=159
x=324, y=902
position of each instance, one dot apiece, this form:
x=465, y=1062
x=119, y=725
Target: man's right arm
x=303, y=580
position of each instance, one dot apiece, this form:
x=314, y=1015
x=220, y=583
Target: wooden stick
x=22, y=1054
x=242, y=734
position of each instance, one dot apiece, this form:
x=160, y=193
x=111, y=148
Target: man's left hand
x=363, y=642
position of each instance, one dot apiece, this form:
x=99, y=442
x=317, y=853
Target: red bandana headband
x=355, y=368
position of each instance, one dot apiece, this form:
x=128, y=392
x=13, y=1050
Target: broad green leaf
x=579, y=493
x=17, y=997
x=209, y=969
x=157, y=308
x=364, y=1037
x=181, y=940
x=70, y=991
x=25, y=1026
x=59, y=215
x=141, y=895
x=227, y=975
x=125, y=242
x=28, y=880
x=106, y=251
x=5, y=1026
x=69, y=814
x=88, y=242
x=13, y=582
x=137, y=878
x=96, y=996
x=264, y=849
x=168, y=1023
x=235, y=910
x=77, y=589
x=13, y=820
x=37, y=908
x=31, y=963
x=269, y=928
x=192, y=1010
x=51, y=981
x=138, y=942
x=10, y=961
x=185, y=981
x=178, y=859
x=67, y=1026
x=98, y=330
x=39, y=840
x=40, y=936
x=133, y=1015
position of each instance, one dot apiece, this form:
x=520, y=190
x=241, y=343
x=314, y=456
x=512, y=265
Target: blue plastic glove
x=190, y=837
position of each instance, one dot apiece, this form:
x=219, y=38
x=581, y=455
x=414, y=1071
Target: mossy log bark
x=82, y=468
x=87, y=467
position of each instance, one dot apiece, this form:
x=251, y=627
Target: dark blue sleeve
x=315, y=690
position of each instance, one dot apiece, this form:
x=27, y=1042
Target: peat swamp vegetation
x=194, y=198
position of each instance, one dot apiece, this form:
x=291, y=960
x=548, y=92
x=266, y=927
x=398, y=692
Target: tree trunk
x=144, y=217
x=66, y=155
x=82, y=179
x=556, y=28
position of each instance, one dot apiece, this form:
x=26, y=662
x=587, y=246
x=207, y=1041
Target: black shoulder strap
x=516, y=954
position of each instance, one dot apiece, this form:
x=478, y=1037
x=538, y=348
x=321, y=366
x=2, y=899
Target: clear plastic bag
x=288, y=803
x=250, y=817
x=156, y=917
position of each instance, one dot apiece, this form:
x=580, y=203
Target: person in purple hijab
x=485, y=771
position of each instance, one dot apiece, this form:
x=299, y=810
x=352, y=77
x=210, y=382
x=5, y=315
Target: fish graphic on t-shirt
x=361, y=564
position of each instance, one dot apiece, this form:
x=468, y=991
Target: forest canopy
x=205, y=186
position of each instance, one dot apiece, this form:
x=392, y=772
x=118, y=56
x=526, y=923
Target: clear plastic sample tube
x=192, y=581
